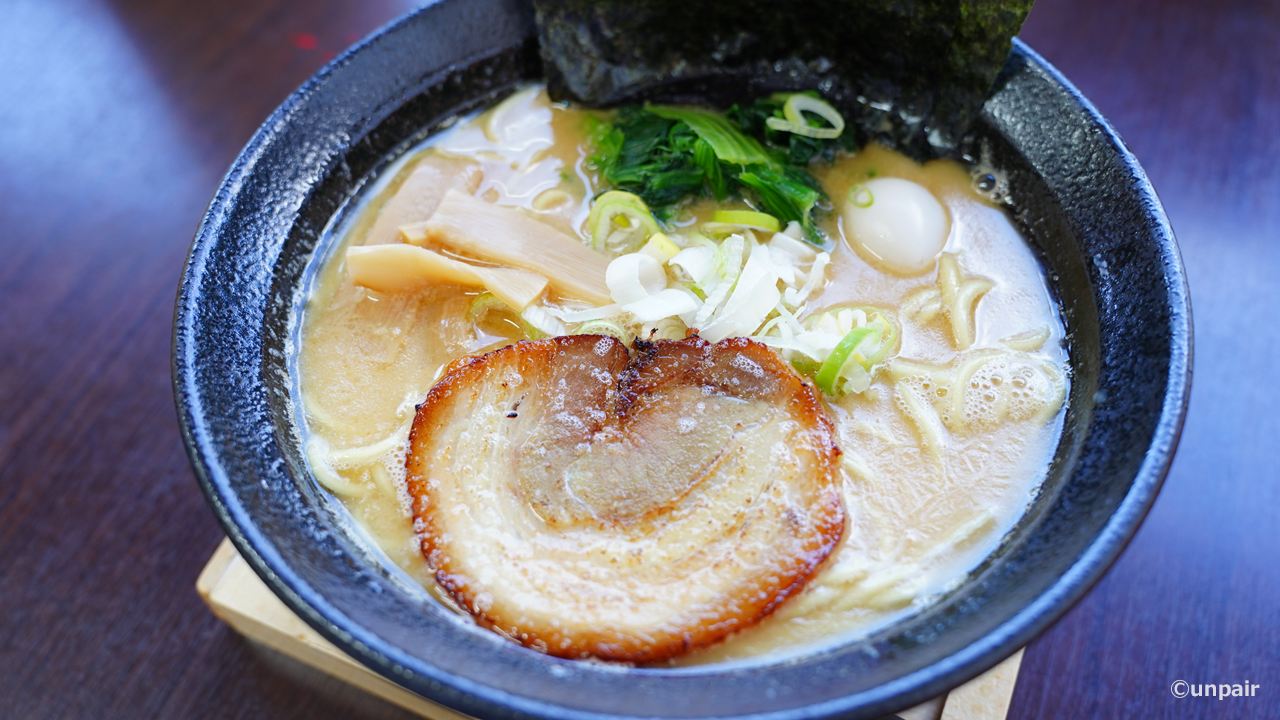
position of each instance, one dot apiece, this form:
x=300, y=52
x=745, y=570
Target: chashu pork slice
x=589, y=503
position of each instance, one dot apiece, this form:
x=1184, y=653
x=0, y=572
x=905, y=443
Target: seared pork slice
x=593, y=504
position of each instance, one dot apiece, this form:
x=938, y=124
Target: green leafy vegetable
x=667, y=154
x=650, y=156
x=787, y=193
x=726, y=140
x=704, y=156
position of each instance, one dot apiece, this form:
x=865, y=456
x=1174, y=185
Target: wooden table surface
x=117, y=120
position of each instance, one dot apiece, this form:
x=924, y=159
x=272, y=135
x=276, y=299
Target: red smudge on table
x=305, y=41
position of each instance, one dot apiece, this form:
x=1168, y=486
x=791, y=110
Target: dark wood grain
x=118, y=118
x=1194, y=88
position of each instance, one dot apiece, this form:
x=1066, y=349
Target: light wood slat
x=239, y=598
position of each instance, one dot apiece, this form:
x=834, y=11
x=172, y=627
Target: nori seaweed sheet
x=913, y=74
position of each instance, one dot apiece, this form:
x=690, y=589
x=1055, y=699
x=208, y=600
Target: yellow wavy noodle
x=856, y=581
x=1029, y=341
x=979, y=391
x=954, y=296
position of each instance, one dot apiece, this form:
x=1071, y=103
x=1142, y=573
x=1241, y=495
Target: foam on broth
x=919, y=521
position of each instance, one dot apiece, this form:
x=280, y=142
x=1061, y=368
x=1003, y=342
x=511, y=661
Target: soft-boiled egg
x=896, y=224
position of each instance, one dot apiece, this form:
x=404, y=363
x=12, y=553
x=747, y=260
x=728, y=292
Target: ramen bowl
x=1075, y=191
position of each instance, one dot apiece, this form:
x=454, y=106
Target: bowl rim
x=441, y=686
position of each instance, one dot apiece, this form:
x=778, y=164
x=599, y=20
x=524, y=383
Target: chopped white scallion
x=727, y=267
x=817, y=273
x=668, y=302
x=754, y=297
x=698, y=263
x=737, y=287
x=788, y=241
x=543, y=321
x=633, y=277
x=586, y=314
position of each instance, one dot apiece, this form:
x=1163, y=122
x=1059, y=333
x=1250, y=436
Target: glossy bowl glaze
x=1079, y=195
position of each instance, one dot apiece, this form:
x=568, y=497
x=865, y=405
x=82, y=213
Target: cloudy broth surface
x=941, y=455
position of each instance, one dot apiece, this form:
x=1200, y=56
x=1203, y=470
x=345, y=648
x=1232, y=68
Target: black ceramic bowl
x=1080, y=196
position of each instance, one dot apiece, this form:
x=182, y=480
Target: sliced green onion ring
x=492, y=315
x=483, y=304
x=618, y=210
x=604, y=327
x=795, y=122
x=860, y=196
x=720, y=231
x=747, y=218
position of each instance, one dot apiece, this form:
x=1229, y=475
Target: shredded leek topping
x=550, y=200
x=736, y=286
x=870, y=335
x=539, y=322
x=841, y=347
x=666, y=155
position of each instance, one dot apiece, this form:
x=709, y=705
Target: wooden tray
x=236, y=595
